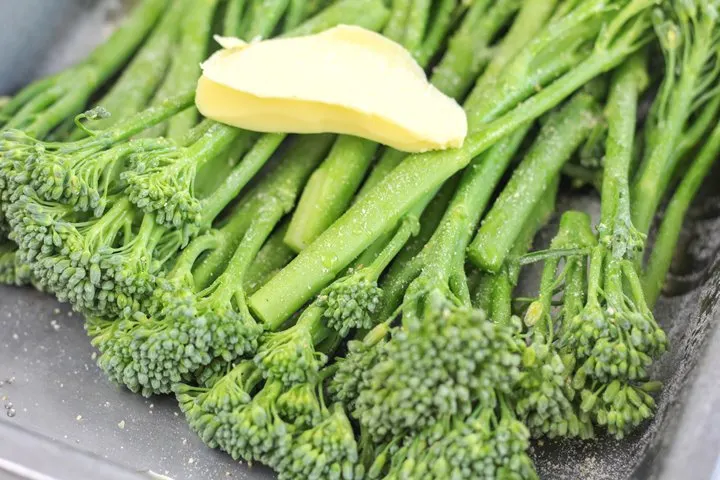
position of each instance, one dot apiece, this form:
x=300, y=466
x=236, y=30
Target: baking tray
x=62, y=420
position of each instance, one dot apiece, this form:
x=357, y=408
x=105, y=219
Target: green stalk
x=421, y=174
x=331, y=189
x=273, y=256
x=696, y=45
x=233, y=18
x=530, y=19
x=138, y=82
x=671, y=226
x=195, y=30
x=264, y=17
x=442, y=19
x=498, y=288
x=399, y=12
x=274, y=195
x=297, y=11
x=563, y=133
x=67, y=93
x=370, y=14
x=467, y=44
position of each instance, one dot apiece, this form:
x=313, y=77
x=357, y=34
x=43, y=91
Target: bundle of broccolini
x=334, y=308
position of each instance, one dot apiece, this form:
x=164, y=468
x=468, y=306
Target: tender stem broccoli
x=354, y=301
x=137, y=83
x=688, y=34
x=80, y=174
x=194, y=32
x=440, y=336
x=614, y=338
x=545, y=398
x=421, y=174
x=199, y=311
x=489, y=441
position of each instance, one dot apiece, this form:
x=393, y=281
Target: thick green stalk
x=330, y=190
x=671, y=226
x=422, y=174
x=138, y=82
x=563, y=133
x=195, y=30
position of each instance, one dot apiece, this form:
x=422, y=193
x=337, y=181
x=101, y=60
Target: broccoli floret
x=327, y=450
x=351, y=302
x=435, y=366
x=184, y=329
x=489, y=443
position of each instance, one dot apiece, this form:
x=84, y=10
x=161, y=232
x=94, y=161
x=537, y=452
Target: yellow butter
x=344, y=80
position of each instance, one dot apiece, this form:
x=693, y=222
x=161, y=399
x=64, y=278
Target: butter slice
x=345, y=80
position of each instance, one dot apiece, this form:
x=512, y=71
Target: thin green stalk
x=477, y=30
x=140, y=79
x=233, y=17
x=370, y=14
x=330, y=190
x=671, y=226
x=276, y=192
x=67, y=93
x=563, y=133
x=195, y=30
x=692, y=46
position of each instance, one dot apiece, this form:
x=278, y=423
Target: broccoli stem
x=498, y=287
x=442, y=22
x=685, y=83
x=563, y=133
x=190, y=51
x=274, y=195
x=67, y=93
x=399, y=13
x=138, y=82
x=272, y=257
x=671, y=226
x=421, y=174
x=331, y=191
x=297, y=11
x=370, y=14
x=233, y=16
x=482, y=21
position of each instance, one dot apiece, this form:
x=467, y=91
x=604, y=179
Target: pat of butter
x=344, y=80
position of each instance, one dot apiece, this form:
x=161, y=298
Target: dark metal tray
x=64, y=421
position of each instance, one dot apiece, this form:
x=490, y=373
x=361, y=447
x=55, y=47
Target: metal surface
x=57, y=391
